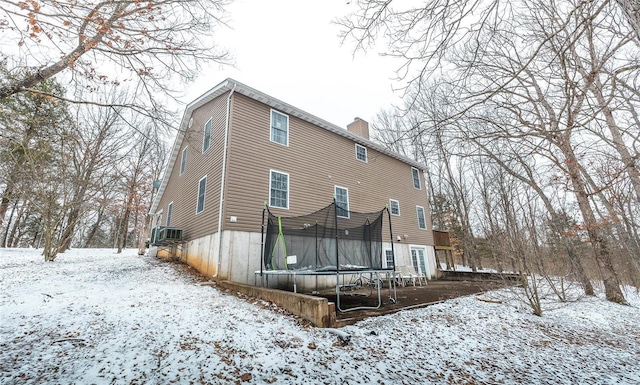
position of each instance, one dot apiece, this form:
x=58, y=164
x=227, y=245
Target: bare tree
x=144, y=44
x=139, y=169
x=534, y=91
x=632, y=11
x=98, y=136
x=423, y=35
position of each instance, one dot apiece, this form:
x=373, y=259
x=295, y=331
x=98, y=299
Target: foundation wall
x=241, y=253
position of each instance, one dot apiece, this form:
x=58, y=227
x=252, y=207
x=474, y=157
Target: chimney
x=359, y=127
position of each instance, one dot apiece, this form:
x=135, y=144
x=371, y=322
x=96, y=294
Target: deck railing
x=441, y=240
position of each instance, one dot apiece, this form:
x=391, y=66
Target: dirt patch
x=407, y=297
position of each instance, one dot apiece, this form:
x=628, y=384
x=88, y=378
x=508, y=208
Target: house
x=238, y=148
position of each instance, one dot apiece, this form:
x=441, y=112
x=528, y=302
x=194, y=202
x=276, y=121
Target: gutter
x=222, y=179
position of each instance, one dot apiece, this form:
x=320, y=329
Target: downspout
x=222, y=180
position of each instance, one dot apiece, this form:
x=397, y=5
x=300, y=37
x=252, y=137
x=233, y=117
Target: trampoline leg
x=395, y=295
x=295, y=286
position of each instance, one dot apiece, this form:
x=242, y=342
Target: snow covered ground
x=95, y=317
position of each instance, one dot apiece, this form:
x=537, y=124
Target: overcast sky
x=289, y=49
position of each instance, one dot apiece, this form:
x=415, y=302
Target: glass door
x=418, y=260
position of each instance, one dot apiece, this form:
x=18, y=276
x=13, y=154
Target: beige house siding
x=318, y=157
x=316, y=161
x=182, y=190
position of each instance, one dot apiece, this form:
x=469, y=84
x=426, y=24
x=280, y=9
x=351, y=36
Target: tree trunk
x=594, y=230
x=627, y=160
x=13, y=240
x=123, y=230
x=4, y=203
x=67, y=233
x=6, y=231
x=147, y=227
x=553, y=213
x=49, y=251
x=94, y=229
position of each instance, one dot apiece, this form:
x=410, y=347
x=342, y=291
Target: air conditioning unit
x=163, y=235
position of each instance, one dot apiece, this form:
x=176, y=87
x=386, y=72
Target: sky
x=290, y=50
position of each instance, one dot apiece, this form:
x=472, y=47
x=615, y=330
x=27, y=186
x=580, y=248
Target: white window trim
x=204, y=198
x=366, y=154
x=183, y=160
x=390, y=211
x=424, y=213
x=419, y=181
x=271, y=127
x=335, y=192
x=384, y=260
x=288, y=188
x=204, y=135
x=169, y=213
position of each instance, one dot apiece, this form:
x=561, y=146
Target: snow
x=94, y=316
x=462, y=268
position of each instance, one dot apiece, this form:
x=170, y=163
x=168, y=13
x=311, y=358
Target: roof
x=228, y=85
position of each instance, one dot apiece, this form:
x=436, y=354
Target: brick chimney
x=359, y=127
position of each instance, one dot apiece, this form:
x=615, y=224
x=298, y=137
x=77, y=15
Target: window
x=206, y=141
x=419, y=260
x=394, y=207
x=279, y=190
x=169, y=212
x=415, y=173
x=202, y=191
x=422, y=223
x=342, y=202
x=183, y=161
x=158, y=219
x=361, y=153
x=388, y=254
x=279, y=128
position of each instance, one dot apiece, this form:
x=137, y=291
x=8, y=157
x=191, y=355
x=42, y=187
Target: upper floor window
x=342, y=201
x=361, y=153
x=279, y=128
x=415, y=173
x=169, y=213
x=394, y=207
x=202, y=191
x=183, y=161
x=206, y=141
x=279, y=190
x=422, y=223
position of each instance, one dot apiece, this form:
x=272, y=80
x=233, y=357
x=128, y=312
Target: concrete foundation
x=240, y=259
x=319, y=311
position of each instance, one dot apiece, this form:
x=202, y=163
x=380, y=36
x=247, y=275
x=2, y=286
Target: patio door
x=418, y=259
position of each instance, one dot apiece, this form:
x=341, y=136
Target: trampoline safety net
x=308, y=242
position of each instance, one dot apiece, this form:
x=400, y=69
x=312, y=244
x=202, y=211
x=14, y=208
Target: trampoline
x=329, y=242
